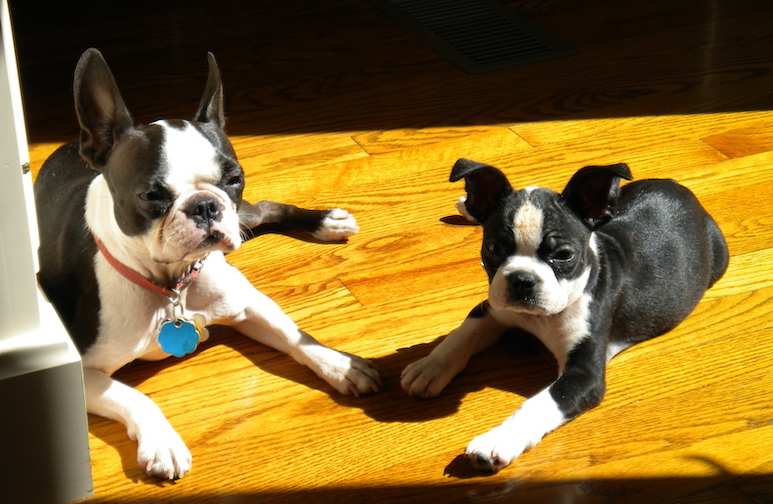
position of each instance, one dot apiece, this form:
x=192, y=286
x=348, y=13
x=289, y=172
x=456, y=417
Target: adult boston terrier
x=135, y=222
x=590, y=272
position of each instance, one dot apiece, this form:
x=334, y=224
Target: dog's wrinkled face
x=181, y=194
x=168, y=191
x=536, y=253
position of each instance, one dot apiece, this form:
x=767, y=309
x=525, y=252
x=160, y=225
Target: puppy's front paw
x=494, y=450
x=336, y=225
x=163, y=454
x=426, y=377
x=348, y=374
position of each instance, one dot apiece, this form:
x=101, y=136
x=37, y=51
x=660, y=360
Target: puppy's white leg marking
x=160, y=449
x=427, y=377
x=462, y=208
x=337, y=225
x=525, y=428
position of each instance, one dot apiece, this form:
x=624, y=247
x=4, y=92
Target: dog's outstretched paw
x=164, y=456
x=348, y=374
x=336, y=225
x=496, y=449
x=427, y=377
x=490, y=452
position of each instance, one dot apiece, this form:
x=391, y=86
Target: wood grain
x=333, y=104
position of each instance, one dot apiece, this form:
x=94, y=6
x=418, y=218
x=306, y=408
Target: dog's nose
x=204, y=211
x=522, y=284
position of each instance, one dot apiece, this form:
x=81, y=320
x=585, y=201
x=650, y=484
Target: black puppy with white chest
x=135, y=222
x=590, y=272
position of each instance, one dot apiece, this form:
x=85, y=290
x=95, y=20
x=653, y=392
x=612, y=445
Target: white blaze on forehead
x=189, y=157
x=527, y=227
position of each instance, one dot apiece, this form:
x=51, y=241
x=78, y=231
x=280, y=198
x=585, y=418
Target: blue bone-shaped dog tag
x=178, y=337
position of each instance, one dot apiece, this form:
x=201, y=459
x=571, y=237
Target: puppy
x=135, y=222
x=589, y=272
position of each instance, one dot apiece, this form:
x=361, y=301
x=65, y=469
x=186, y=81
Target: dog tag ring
x=179, y=337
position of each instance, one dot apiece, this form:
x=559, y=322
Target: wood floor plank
x=665, y=128
x=744, y=141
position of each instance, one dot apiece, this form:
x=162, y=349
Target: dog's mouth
x=527, y=308
x=215, y=239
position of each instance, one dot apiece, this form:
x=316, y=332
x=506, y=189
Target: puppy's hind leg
x=269, y=217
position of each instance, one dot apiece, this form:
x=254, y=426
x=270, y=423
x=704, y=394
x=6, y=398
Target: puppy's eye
x=235, y=181
x=562, y=255
x=495, y=248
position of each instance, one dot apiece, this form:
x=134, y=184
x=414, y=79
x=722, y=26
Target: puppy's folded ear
x=593, y=191
x=101, y=111
x=486, y=186
x=211, y=105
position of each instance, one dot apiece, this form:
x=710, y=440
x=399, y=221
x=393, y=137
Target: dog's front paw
x=427, y=377
x=164, y=454
x=348, y=374
x=336, y=225
x=494, y=450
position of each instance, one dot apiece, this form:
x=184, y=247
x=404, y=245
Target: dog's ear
x=211, y=105
x=101, y=111
x=592, y=192
x=486, y=186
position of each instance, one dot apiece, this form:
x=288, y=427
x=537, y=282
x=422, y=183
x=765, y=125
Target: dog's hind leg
x=271, y=217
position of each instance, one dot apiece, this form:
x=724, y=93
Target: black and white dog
x=590, y=272
x=135, y=222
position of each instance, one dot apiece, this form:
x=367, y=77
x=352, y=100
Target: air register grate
x=479, y=36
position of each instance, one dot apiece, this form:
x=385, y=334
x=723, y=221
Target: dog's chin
x=527, y=308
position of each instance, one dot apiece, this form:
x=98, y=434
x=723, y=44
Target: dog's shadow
x=518, y=364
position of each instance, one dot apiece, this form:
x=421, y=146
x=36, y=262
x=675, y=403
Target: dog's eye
x=495, y=248
x=564, y=254
x=235, y=181
x=151, y=196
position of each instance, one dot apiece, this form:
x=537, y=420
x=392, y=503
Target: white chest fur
x=559, y=333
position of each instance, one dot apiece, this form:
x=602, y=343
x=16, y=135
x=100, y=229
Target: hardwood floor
x=333, y=104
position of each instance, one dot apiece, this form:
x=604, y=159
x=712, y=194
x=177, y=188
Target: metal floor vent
x=479, y=36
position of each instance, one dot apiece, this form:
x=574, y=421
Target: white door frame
x=44, y=444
